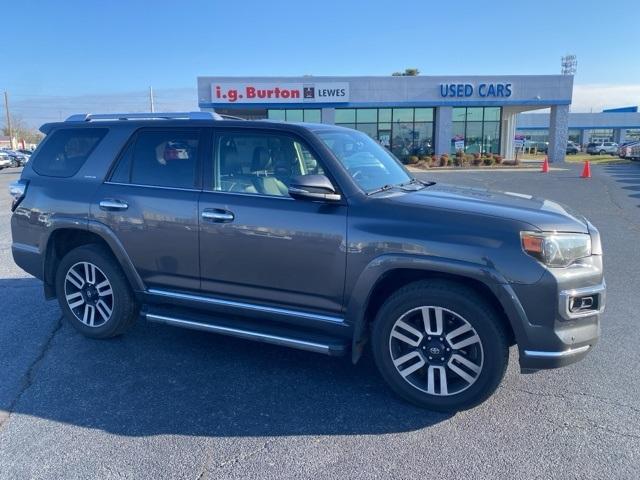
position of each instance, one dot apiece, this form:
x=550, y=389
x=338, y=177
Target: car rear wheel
x=440, y=346
x=94, y=293
x=602, y=152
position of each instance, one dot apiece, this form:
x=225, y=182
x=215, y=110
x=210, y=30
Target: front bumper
x=556, y=321
x=572, y=333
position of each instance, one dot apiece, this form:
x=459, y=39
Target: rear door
x=257, y=244
x=150, y=202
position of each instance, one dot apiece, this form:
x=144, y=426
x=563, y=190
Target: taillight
x=17, y=190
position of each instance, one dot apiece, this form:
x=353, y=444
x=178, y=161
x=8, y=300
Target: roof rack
x=88, y=117
x=230, y=117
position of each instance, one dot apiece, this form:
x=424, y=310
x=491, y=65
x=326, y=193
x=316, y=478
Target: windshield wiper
x=383, y=188
x=415, y=181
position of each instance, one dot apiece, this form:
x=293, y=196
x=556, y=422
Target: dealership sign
x=484, y=90
x=247, y=92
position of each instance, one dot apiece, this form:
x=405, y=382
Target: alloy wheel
x=88, y=294
x=436, y=350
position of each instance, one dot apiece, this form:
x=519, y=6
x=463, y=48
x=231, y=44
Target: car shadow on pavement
x=162, y=380
x=628, y=175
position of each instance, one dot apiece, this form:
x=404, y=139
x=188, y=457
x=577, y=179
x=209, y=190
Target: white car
x=5, y=160
x=601, y=148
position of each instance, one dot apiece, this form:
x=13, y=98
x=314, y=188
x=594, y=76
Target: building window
x=309, y=115
x=404, y=131
x=632, y=135
x=599, y=135
x=574, y=136
x=479, y=127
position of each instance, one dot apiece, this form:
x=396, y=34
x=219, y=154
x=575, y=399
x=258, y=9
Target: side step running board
x=333, y=348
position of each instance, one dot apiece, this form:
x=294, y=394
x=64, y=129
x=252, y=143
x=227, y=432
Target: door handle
x=220, y=216
x=113, y=205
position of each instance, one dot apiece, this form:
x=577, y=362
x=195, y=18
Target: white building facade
x=420, y=115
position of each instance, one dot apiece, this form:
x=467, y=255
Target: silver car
x=5, y=160
x=600, y=148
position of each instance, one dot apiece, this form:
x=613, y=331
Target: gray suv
x=307, y=236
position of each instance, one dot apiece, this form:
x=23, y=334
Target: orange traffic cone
x=545, y=165
x=586, y=171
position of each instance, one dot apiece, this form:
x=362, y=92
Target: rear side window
x=167, y=158
x=66, y=150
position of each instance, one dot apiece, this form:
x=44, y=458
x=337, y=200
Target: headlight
x=556, y=249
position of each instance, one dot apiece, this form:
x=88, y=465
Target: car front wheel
x=440, y=346
x=94, y=294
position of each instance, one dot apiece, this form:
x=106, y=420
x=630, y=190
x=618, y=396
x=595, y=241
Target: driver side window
x=260, y=163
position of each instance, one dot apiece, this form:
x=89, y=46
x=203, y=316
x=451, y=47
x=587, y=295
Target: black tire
x=602, y=152
x=124, y=309
x=457, y=300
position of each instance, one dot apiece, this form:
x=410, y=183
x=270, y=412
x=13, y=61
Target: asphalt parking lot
x=168, y=403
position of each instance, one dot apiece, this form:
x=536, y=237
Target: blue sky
x=105, y=54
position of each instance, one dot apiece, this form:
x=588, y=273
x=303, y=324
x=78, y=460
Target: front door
x=151, y=203
x=257, y=244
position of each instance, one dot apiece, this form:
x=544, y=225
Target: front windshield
x=369, y=164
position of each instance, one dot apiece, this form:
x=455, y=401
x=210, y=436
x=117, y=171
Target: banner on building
x=246, y=92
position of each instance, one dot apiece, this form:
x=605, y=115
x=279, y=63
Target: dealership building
x=615, y=125
x=410, y=115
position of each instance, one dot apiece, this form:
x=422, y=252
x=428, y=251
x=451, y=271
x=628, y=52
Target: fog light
x=578, y=304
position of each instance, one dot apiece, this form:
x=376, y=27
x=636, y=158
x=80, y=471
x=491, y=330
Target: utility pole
x=151, y=102
x=6, y=107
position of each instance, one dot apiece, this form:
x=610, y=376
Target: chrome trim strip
x=153, y=186
x=563, y=353
x=23, y=247
x=242, y=194
x=564, y=297
x=247, y=306
x=237, y=332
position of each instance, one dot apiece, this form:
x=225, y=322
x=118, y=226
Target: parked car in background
x=308, y=236
x=572, y=148
x=602, y=148
x=17, y=159
x=624, y=150
x=634, y=151
x=536, y=147
x=5, y=160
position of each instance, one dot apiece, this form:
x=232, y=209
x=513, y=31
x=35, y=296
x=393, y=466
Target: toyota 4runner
x=308, y=236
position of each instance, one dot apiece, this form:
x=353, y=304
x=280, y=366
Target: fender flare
x=380, y=266
x=102, y=231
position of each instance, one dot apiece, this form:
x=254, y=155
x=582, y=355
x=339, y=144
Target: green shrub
x=488, y=161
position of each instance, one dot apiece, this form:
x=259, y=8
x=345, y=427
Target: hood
x=545, y=215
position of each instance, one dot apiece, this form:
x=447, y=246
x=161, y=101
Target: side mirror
x=314, y=188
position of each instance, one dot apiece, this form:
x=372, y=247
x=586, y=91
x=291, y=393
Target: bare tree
x=408, y=72
x=21, y=131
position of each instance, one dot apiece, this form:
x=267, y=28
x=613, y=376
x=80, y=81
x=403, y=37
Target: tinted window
x=66, y=150
x=261, y=163
x=160, y=158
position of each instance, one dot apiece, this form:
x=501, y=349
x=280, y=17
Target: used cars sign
x=335, y=92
